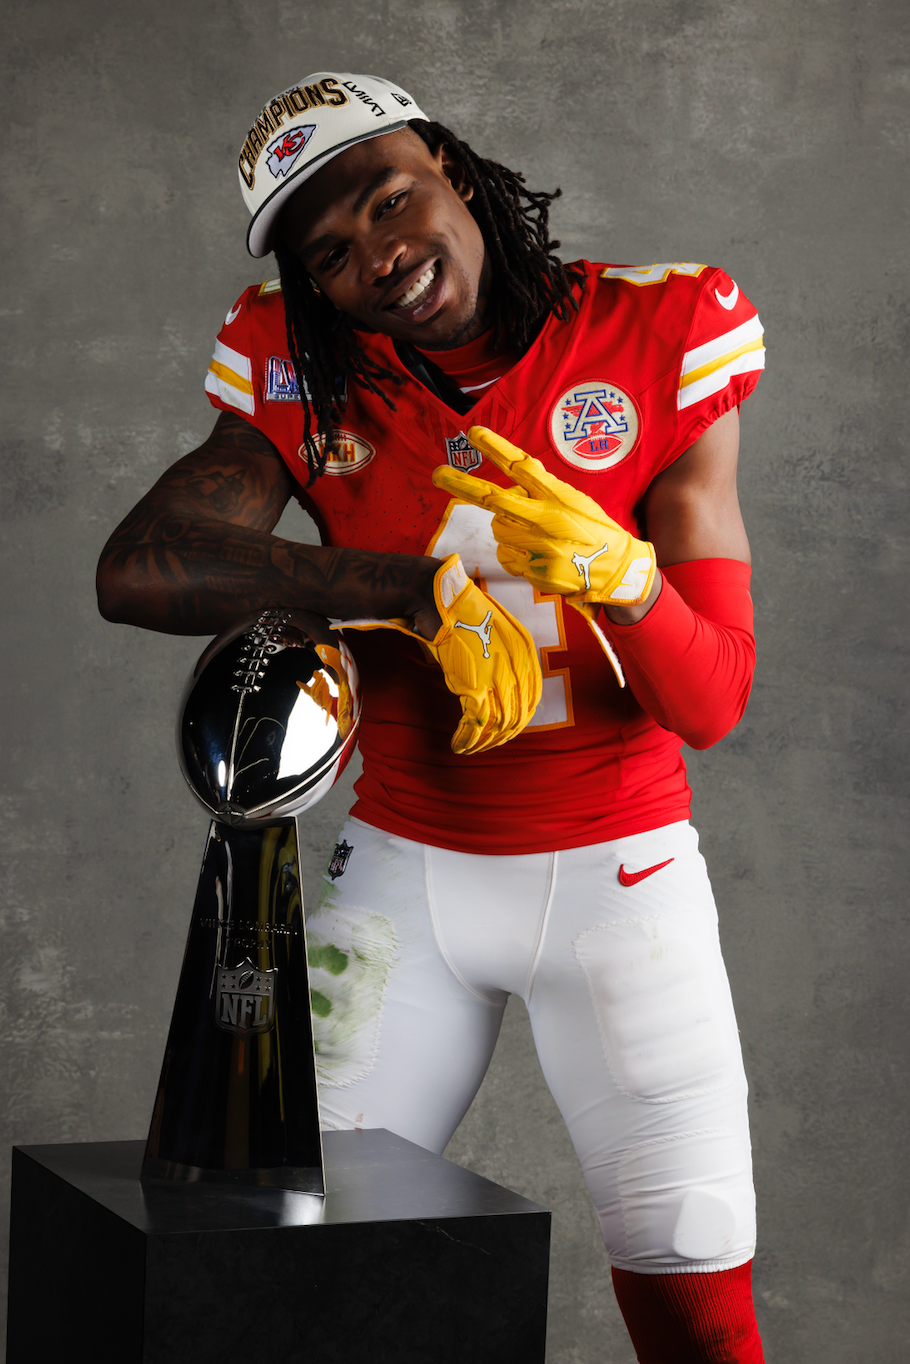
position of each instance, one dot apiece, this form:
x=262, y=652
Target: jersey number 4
x=465, y=530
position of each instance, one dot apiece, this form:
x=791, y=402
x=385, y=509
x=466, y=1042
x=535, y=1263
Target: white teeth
x=420, y=286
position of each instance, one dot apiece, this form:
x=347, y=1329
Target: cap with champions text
x=303, y=128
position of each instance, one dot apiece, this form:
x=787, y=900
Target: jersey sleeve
x=723, y=358
x=229, y=381
x=690, y=660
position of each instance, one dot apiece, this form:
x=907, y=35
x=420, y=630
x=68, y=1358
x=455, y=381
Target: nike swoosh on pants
x=631, y=878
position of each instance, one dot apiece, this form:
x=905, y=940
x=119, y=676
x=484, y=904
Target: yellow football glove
x=488, y=658
x=548, y=532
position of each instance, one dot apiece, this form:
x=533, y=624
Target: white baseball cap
x=303, y=128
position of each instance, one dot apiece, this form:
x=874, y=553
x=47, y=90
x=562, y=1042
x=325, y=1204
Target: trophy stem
x=237, y=1097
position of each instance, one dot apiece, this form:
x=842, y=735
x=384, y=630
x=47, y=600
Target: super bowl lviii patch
x=281, y=386
x=594, y=425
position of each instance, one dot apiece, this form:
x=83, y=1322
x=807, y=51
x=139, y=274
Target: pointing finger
x=524, y=468
x=512, y=501
x=460, y=484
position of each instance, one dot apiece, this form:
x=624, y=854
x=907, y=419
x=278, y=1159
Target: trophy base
x=408, y=1259
x=295, y=1178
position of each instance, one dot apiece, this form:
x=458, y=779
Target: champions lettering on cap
x=303, y=128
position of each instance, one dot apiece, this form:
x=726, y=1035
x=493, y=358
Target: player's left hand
x=488, y=659
x=548, y=532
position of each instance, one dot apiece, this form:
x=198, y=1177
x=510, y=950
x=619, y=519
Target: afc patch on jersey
x=282, y=386
x=461, y=454
x=594, y=426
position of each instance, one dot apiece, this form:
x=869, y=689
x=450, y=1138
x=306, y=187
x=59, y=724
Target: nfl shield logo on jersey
x=594, y=426
x=461, y=454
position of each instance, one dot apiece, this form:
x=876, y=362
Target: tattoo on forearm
x=195, y=554
x=251, y=556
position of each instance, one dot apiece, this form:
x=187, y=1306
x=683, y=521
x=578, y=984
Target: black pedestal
x=415, y=1261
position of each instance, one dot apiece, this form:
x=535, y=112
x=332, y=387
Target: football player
x=524, y=477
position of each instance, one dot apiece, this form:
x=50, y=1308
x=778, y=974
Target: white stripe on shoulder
x=717, y=378
x=721, y=345
x=234, y=397
x=234, y=360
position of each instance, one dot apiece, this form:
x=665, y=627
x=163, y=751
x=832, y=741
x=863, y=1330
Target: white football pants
x=414, y=951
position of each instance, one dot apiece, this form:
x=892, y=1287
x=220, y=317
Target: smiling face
x=385, y=231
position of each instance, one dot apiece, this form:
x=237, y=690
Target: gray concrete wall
x=770, y=137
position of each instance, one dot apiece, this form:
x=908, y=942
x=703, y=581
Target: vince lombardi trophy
x=267, y=723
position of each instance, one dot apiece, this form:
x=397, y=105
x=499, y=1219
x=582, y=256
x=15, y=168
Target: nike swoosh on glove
x=488, y=659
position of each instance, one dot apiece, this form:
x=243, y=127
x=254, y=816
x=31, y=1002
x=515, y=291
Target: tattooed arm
x=195, y=554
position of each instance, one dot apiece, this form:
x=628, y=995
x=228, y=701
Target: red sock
x=690, y=1318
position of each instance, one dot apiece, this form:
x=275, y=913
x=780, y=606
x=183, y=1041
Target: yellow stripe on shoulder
x=229, y=393
x=652, y=274
x=694, y=375
x=231, y=377
x=270, y=286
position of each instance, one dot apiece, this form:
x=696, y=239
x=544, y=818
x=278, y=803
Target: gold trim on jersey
x=652, y=274
x=545, y=670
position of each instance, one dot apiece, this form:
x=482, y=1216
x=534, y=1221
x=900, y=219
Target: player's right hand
x=548, y=532
x=488, y=658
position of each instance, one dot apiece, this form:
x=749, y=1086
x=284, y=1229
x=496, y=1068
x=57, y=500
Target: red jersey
x=606, y=400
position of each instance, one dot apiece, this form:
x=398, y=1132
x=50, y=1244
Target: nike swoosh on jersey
x=632, y=878
x=234, y=311
x=727, y=301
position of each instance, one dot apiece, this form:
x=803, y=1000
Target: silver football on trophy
x=268, y=719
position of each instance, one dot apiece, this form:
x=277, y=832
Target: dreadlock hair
x=529, y=283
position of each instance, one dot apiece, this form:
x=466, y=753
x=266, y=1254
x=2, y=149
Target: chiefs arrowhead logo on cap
x=282, y=153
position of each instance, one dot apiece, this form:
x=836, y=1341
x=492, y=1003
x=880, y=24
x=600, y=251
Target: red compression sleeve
x=690, y=1318
x=690, y=660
